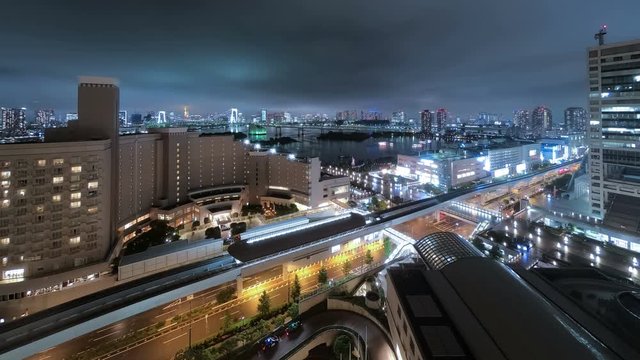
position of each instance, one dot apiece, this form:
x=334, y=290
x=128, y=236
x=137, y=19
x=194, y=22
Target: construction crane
x=600, y=35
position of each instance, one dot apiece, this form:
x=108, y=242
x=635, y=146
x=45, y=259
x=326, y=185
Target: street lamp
x=189, y=298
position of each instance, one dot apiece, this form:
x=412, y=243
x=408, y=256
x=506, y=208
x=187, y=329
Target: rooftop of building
x=164, y=249
x=614, y=303
x=273, y=243
x=623, y=214
x=494, y=310
x=436, y=334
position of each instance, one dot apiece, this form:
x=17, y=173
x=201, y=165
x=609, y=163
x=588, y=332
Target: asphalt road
x=573, y=251
x=166, y=346
x=379, y=347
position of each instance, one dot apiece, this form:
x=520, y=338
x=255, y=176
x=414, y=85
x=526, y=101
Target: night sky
x=303, y=55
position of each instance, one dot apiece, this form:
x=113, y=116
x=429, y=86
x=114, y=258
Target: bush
x=225, y=295
x=342, y=347
x=213, y=233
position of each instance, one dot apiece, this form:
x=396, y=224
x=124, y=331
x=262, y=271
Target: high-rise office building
x=44, y=117
x=14, y=119
x=426, y=121
x=185, y=113
x=263, y=115
x=122, y=117
x=614, y=158
x=540, y=120
x=575, y=119
x=397, y=117
x=441, y=120
x=522, y=118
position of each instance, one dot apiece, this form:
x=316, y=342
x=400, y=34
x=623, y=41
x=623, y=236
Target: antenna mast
x=600, y=35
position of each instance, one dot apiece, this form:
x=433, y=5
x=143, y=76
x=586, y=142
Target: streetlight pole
x=189, y=298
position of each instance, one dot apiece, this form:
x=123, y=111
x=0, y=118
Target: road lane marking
x=104, y=336
x=177, y=337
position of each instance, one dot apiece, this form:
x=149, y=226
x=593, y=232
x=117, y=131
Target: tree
x=323, y=277
x=195, y=224
x=495, y=252
x=228, y=321
x=264, y=305
x=368, y=258
x=387, y=246
x=213, y=233
x=342, y=347
x=346, y=267
x=478, y=243
x=225, y=295
x=227, y=346
x=295, y=288
x=293, y=310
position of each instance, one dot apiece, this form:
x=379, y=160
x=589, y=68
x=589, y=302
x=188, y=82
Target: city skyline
x=312, y=61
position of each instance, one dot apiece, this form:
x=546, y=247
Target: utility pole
x=189, y=298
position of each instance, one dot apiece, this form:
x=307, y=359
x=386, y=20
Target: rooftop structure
x=459, y=304
x=272, y=243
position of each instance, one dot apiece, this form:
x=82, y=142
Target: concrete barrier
x=339, y=304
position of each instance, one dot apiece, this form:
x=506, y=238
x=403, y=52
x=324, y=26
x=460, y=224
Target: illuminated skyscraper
x=122, y=117
x=441, y=120
x=521, y=118
x=185, y=114
x=575, y=119
x=540, y=120
x=263, y=115
x=426, y=121
x=14, y=119
x=614, y=155
x=397, y=117
x=44, y=117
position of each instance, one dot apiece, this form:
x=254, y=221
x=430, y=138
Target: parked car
x=293, y=326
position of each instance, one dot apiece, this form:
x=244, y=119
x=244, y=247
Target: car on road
x=270, y=342
x=293, y=326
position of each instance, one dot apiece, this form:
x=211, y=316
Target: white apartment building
x=614, y=134
x=54, y=212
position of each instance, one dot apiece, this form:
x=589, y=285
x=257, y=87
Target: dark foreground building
x=457, y=304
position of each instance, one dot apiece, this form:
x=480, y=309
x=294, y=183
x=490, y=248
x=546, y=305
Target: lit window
x=5, y=241
x=58, y=179
x=22, y=192
x=92, y=185
x=5, y=193
x=56, y=198
x=42, y=162
x=74, y=240
x=5, y=174
x=6, y=183
x=6, y=203
x=76, y=169
x=76, y=196
x=92, y=210
x=75, y=204
x=58, y=161
x=40, y=209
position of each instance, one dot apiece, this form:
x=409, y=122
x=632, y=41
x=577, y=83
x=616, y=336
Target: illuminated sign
x=532, y=152
x=335, y=249
x=520, y=168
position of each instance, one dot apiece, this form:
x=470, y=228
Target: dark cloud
x=466, y=55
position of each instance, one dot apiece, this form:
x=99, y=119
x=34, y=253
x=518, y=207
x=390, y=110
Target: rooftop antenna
x=600, y=35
